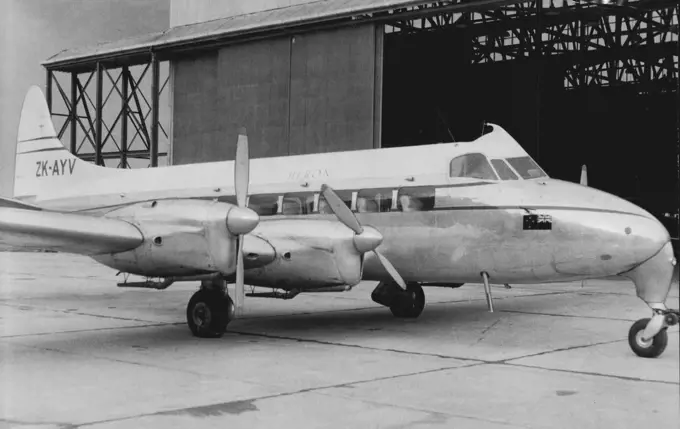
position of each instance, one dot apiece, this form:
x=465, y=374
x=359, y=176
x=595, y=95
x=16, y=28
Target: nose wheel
x=651, y=347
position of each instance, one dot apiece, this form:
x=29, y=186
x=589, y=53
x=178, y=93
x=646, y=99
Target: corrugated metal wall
x=307, y=93
x=332, y=90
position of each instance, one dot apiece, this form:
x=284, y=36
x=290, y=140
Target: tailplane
x=43, y=165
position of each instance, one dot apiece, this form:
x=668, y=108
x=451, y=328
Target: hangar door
x=307, y=93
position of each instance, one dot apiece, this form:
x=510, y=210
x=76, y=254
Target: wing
x=35, y=229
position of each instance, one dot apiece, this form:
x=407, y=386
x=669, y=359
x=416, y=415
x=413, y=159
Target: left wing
x=35, y=229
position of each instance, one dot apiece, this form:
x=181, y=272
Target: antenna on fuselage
x=448, y=129
x=584, y=175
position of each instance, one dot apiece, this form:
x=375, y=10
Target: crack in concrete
x=228, y=404
x=567, y=315
x=596, y=374
x=56, y=310
x=76, y=331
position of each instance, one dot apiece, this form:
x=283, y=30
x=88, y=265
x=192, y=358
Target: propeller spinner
x=241, y=219
x=366, y=238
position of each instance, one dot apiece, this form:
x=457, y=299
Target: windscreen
x=526, y=167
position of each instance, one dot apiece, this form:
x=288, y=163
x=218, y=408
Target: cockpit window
x=474, y=165
x=526, y=167
x=503, y=170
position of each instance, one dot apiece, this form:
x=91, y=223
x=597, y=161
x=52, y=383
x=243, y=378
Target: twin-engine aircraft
x=437, y=215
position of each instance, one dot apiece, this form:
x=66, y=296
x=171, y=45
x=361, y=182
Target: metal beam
x=99, y=115
x=155, y=96
x=48, y=90
x=74, y=111
x=677, y=117
x=124, y=120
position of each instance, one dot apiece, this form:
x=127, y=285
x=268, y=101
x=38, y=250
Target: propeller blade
x=241, y=168
x=340, y=209
x=390, y=269
x=239, y=291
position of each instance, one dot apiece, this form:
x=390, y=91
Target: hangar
x=575, y=82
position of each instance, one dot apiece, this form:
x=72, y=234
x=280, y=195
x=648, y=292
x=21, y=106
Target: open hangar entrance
x=574, y=82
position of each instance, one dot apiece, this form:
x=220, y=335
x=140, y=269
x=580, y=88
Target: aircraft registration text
x=60, y=167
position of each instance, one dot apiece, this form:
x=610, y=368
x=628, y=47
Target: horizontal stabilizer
x=12, y=203
x=65, y=232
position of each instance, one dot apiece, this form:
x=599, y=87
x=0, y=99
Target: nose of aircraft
x=644, y=233
x=632, y=232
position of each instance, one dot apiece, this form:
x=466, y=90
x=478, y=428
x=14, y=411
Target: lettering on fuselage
x=537, y=222
x=58, y=167
x=308, y=174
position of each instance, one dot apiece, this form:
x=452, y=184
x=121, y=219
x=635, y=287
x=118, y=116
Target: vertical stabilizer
x=42, y=163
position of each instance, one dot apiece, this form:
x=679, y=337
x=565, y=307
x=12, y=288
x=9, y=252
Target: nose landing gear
x=648, y=337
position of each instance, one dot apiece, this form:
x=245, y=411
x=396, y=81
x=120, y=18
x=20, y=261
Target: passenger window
x=264, y=205
x=374, y=200
x=345, y=196
x=474, y=165
x=503, y=170
x=419, y=198
x=297, y=204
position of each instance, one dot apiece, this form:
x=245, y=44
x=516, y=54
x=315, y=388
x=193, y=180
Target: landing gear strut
x=407, y=303
x=652, y=347
x=209, y=311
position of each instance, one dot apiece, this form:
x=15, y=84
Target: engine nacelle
x=310, y=253
x=181, y=237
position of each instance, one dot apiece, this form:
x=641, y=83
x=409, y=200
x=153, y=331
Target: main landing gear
x=407, y=303
x=210, y=310
x=652, y=346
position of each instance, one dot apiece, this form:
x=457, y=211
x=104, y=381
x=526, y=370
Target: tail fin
x=42, y=164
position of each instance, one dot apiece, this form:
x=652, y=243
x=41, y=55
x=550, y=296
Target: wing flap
x=66, y=232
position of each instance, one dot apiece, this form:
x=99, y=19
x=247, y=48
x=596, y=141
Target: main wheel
x=409, y=303
x=209, y=312
x=648, y=349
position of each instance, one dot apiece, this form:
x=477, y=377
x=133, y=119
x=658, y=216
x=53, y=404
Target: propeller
x=365, y=238
x=241, y=219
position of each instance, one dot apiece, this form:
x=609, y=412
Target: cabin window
x=420, y=198
x=503, y=170
x=374, y=200
x=297, y=204
x=473, y=165
x=264, y=205
x=526, y=167
x=345, y=196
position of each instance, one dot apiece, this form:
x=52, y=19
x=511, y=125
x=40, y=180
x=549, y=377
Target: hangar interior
x=575, y=82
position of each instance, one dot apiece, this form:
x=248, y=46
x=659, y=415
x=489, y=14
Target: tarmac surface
x=76, y=351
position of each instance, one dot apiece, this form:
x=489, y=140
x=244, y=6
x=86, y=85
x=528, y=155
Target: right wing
x=35, y=229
